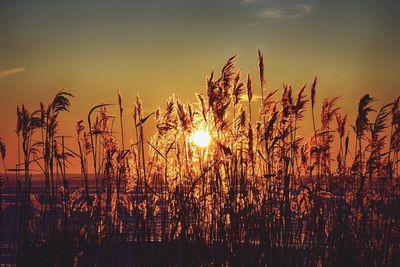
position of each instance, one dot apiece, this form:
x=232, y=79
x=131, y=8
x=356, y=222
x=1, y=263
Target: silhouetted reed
x=259, y=193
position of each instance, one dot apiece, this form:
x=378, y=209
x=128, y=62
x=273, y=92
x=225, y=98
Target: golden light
x=201, y=138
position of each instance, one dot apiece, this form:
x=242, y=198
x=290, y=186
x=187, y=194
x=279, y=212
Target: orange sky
x=155, y=48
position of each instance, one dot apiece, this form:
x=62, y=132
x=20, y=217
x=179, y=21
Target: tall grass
x=259, y=194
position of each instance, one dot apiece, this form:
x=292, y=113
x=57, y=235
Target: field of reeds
x=259, y=193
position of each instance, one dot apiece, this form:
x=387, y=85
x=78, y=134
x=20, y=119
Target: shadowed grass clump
x=259, y=194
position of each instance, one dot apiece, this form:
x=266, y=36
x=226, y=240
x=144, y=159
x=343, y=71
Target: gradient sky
x=155, y=48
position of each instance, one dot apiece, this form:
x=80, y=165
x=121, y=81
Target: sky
x=157, y=48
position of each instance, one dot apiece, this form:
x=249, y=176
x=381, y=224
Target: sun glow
x=201, y=138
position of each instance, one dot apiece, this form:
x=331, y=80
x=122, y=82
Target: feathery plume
x=249, y=88
x=238, y=89
x=364, y=107
x=227, y=73
x=19, y=121
x=299, y=106
x=396, y=111
x=261, y=72
x=328, y=111
x=2, y=149
x=341, y=124
x=313, y=91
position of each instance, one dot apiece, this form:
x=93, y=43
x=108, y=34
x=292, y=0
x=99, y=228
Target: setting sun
x=201, y=138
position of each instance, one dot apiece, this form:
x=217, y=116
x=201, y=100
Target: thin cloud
x=290, y=13
x=6, y=73
x=244, y=98
x=249, y=25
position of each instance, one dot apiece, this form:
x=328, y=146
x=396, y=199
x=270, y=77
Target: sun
x=201, y=138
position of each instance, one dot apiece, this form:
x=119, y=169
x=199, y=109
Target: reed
x=259, y=193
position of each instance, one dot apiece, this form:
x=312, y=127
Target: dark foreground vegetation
x=258, y=194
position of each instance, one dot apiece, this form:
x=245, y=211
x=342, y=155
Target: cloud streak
x=244, y=98
x=290, y=13
x=9, y=72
